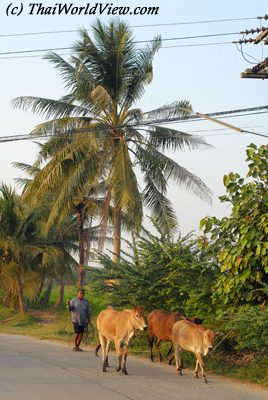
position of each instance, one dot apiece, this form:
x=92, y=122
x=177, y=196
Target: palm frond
x=125, y=185
x=27, y=168
x=180, y=108
x=171, y=139
x=161, y=169
x=67, y=71
x=48, y=107
x=159, y=205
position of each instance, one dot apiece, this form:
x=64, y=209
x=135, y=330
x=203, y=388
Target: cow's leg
x=157, y=344
x=119, y=355
x=151, y=344
x=200, y=362
x=102, y=342
x=177, y=351
x=171, y=359
x=168, y=353
x=107, y=352
x=124, y=368
x=196, y=368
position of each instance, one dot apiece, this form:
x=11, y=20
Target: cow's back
x=188, y=335
x=112, y=323
x=160, y=323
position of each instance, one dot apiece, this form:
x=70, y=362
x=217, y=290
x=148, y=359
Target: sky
x=197, y=69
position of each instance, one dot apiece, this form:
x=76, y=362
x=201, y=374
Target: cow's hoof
x=124, y=371
x=196, y=375
x=104, y=369
x=205, y=380
x=118, y=369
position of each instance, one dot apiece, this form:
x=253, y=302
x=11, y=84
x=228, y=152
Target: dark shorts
x=78, y=328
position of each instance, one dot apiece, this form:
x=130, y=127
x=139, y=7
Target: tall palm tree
x=99, y=133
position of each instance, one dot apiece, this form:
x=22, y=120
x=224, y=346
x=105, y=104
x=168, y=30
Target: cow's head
x=208, y=340
x=137, y=318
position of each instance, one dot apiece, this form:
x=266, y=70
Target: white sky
x=207, y=76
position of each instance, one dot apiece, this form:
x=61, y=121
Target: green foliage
x=249, y=325
x=161, y=273
x=100, y=136
x=240, y=241
x=25, y=255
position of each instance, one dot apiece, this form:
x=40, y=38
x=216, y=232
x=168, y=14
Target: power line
x=28, y=137
x=223, y=129
x=138, y=41
x=163, y=47
x=4, y=139
x=132, y=26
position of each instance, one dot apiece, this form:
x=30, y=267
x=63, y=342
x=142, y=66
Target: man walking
x=80, y=312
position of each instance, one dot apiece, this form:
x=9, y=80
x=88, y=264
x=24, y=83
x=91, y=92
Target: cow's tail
x=97, y=349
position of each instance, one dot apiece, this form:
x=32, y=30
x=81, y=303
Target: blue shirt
x=80, y=311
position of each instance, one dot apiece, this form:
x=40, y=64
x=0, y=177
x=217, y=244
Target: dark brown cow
x=160, y=325
x=194, y=338
x=119, y=327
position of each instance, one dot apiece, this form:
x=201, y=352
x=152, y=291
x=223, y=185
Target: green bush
x=161, y=273
x=250, y=327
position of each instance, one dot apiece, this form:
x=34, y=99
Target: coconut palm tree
x=84, y=211
x=24, y=254
x=100, y=134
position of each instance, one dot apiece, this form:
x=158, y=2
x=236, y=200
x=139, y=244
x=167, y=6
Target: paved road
x=36, y=370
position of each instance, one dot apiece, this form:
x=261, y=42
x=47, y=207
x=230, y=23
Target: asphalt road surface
x=37, y=370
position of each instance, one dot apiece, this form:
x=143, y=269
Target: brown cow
x=194, y=338
x=160, y=325
x=119, y=327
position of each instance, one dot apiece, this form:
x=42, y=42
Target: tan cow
x=160, y=325
x=194, y=338
x=119, y=327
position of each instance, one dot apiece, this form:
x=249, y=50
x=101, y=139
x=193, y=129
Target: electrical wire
x=33, y=138
x=132, y=26
x=163, y=47
x=4, y=139
x=243, y=53
x=138, y=41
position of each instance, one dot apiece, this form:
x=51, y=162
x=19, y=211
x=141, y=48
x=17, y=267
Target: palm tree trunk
x=39, y=291
x=61, y=294
x=88, y=243
x=46, y=297
x=21, y=295
x=117, y=234
x=80, y=228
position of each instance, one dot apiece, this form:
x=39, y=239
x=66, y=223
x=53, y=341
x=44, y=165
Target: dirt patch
x=44, y=317
x=241, y=358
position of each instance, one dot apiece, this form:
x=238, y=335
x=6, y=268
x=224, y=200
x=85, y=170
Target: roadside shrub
x=160, y=273
x=250, y=327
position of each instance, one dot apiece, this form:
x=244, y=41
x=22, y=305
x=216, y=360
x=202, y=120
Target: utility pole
x=260, y=70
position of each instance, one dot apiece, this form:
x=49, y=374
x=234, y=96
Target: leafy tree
x=240, y=241
x=162, y=273
x=99, y=134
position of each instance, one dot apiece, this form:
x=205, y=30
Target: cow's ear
x=139, y=309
